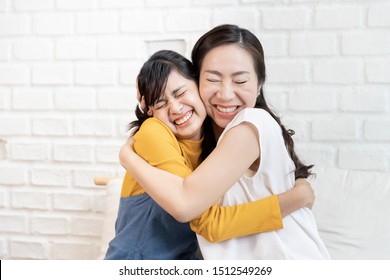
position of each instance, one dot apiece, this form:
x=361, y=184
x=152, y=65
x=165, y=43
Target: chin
x=223, y=123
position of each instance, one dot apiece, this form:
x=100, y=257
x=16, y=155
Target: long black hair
x=152, y=80
x=231, y=34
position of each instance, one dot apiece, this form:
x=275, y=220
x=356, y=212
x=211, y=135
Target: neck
x=217, y=131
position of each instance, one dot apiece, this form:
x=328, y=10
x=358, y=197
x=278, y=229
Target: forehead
x=228, y=58
x=174, y=78
x=175, y=81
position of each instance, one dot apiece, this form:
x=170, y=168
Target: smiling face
x=227, y=83
x=180, y=107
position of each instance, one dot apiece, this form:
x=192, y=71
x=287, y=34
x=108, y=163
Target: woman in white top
x=254, y=152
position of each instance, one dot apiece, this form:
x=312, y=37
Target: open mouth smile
x=184, y=118
x=226, y=110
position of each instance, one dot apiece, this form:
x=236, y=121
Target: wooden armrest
x=103, y=181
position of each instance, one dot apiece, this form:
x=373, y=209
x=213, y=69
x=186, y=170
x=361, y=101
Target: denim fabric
x=145, y=231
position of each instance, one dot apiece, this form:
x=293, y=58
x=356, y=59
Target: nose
x=176, y=106
x=226, y=91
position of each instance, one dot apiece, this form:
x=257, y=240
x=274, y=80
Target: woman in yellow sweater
x=168, y=135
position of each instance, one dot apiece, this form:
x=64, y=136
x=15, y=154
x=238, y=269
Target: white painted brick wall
x=286, y=18
x=49, y=23
x=339, y=16
x=376, y=70
x=30, y=200
x=50, y=177
x=14, y=24
x=33, y=49
x=14, y=74
x=50, y=126
x=13, y=223
x=67, y=72
x=52, y=74
x=142, y=21
x=97, y=23
x=33, y=5
x=32, y=99
x=313, y=44
x=19, y=249
x=5, y=50
x=341, y=71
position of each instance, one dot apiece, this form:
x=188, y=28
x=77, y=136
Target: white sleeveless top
x=299, y=239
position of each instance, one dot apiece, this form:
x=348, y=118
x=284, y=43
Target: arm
x=302, y=195
x=160, y=154
x=219, y=224
x=186, y=198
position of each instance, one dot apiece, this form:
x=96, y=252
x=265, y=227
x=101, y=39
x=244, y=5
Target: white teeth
x=226, y=110
x=183, y=119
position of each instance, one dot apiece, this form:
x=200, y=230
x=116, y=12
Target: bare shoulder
x=244, y=130
x=242, y=138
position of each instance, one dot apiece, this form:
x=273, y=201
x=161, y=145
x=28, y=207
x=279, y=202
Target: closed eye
x=178, y=95
x=212, y=80
x=160, y=104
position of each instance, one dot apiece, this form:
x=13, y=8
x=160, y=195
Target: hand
x=304, y=187
x=126, y=151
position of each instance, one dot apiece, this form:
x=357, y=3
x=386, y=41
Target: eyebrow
x=176, y=90
x=173, y=93
x=219, y=74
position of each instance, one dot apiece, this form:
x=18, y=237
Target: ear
x=150, y=112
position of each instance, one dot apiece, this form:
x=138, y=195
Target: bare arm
x=261, y=215
x=187, y=198
x=180, y=203
x=302, y=195
x=216, y=223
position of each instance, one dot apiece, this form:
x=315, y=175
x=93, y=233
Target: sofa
x=352, y=211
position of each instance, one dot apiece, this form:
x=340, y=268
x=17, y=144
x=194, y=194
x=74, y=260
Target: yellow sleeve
x=221, y=223
x=156, y=143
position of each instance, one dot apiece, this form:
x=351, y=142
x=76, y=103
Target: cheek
x=161, y=115
x=201, y=108
x=250, y=94
x=205, y=92
x=195, y=101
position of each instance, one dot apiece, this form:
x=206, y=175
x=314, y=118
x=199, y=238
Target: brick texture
x=67, y=72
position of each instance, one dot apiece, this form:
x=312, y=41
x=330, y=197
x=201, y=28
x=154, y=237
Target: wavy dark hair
x=232, y=34
x=153, y=76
